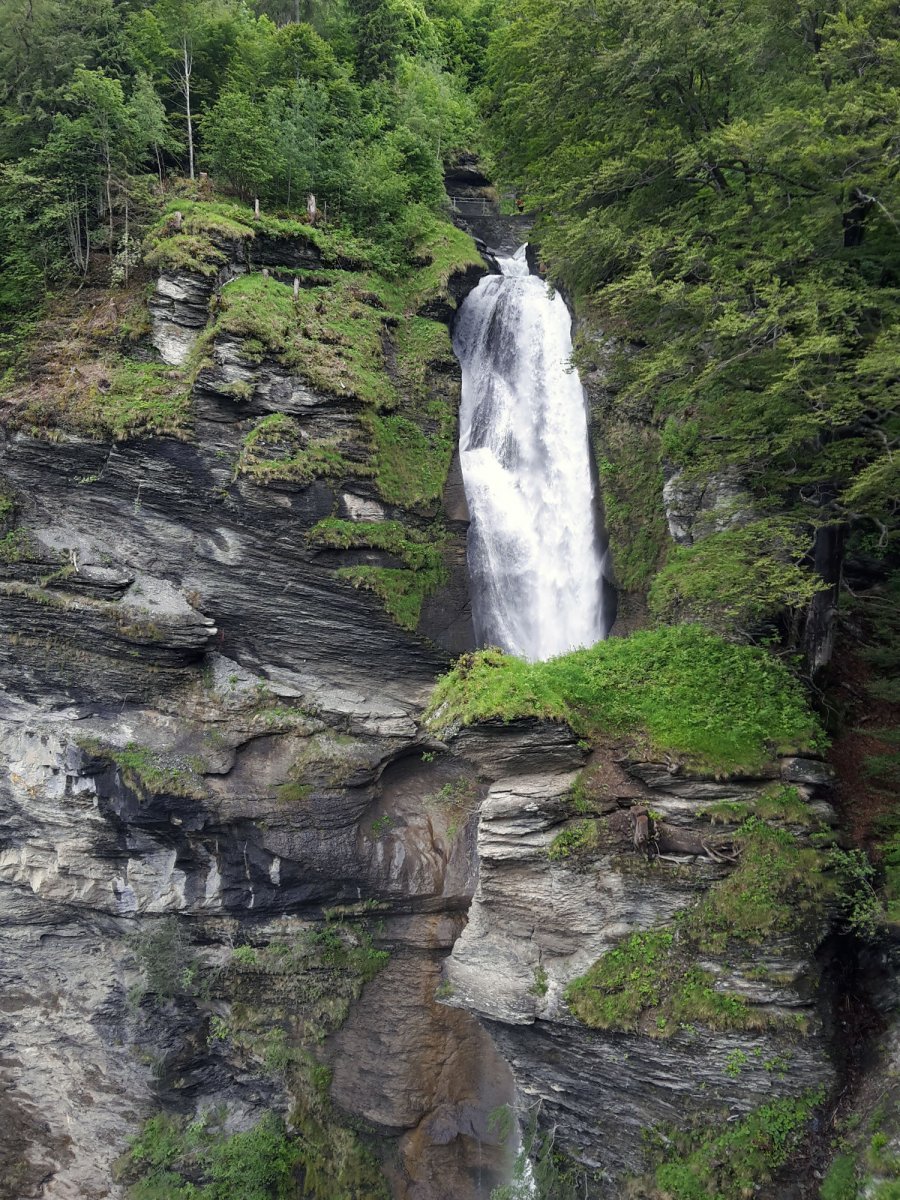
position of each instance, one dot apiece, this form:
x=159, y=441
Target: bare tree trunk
x=109, y=204
x=127, y=248
x=87, y=235
x=188, y=61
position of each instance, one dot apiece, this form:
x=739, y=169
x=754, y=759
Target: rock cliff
x=564, y=878
x=231, y=863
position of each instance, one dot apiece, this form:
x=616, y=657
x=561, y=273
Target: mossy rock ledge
x=649, y=939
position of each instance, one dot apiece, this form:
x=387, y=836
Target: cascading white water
x=535, y=552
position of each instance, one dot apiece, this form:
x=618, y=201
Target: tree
x=719, y=184
x=239, y=144
x=385, y=30
x=166, y=40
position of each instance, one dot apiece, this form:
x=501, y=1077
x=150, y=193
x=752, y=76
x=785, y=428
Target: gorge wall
x=241, y=875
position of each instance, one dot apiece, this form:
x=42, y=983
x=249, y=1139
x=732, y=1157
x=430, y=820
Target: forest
x=239, y=673
x=716, y=184
x=107, y=106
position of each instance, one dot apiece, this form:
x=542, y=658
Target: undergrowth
x=729, y=1161
x=277, y=449
x=402, y=590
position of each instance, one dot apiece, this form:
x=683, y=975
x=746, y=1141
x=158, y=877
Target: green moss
x=169, y=1156
x=418, y=550
x=629, y=465
x=411, y=463
x=208, y=225
x=681, y=690
x=419, y=344
x=150, y=772
x=16, y=546
x=737, y=578
x=132, y=399
x=277, y=449
x=574, y=841
x=294, y=792
x=444, y=250
x=648, y=977
x=401, y=591
x=309, y=984
x=776, y=803
x=730, y=1161
x=652, y=982
x=332, y=335
x=624, y=982
x=778, y=886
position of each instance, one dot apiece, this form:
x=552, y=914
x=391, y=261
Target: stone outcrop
x=539, y=921
x=695, y=509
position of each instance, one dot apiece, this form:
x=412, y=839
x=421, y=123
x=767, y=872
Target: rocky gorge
x=245, y=874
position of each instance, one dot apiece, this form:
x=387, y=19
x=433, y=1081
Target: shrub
x=737, y=578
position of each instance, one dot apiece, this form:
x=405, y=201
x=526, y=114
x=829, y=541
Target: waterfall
x=535, y=549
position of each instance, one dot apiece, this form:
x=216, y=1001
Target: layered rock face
x=230, y=860
x=542, y=916
x=233, y=862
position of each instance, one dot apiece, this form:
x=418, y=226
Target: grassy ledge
x=401, y=589
x=730, y=1160
x=677, y=691
x=651, y=983
x=277, y=450
x=196, y=243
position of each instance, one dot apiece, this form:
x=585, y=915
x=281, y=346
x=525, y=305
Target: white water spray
x=535, y=551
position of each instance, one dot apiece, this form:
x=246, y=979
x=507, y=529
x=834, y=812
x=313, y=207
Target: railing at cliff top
x=472, y=206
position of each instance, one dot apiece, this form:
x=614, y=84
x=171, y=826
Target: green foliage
x=892, y=877
x=412, y=462
x=401, y=590
x=277, y=449
x=418, y=550
x=623, y=982
x=731, y=1160
x=713, y=182
x=631, y=483
x=124, y=400
x=101, y=106
x=541, y=982
x=350, y=335
x=16, y=546
x=684, y=691
x=166, y=959
x=651, y=981
x=573, y=841
x=861, y=907
x=540, y=1171
x=778, y=886
x=149, y=772
x=737, y=579
x=166, y=1158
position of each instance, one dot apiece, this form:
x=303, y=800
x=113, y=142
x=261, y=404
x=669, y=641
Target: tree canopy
x=718, y=183
x=358, y=101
